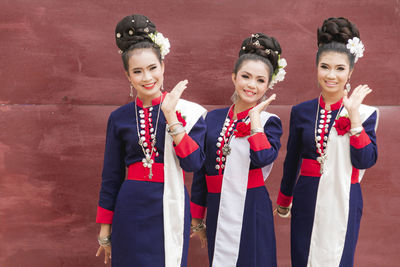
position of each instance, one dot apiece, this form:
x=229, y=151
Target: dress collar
x=156, y=101
x=241, y=115
x=335, y=106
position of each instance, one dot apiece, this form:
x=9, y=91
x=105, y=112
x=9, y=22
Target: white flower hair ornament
x=279, y=74
x=356, y=47
x=162, y=42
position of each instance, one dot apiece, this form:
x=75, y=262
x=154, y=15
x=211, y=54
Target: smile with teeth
x=149, y=86
x=249, y=93
x=330, y=83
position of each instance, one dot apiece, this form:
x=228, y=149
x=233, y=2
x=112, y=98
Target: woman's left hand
x=171, y=99
x=352, y=103
x=254, y=113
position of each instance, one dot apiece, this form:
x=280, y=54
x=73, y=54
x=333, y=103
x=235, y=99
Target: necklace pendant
x=226, y=150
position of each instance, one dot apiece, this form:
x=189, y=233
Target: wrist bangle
x=199, y=227
x=256, y=130
x=104, y=241
x=356, y=130
x=173, y=124
x=178, y=130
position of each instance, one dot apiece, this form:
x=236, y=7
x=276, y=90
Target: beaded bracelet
x=256, y=130
x=104, y=241
x=178, y=130
x=199, y=227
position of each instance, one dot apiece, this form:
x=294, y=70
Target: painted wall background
x=61, y=76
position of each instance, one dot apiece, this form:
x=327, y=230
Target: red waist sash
x=138, y=172
x=311, y=167
x=214, y=182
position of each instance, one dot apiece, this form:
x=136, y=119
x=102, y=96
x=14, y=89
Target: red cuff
x=283, y=200
x=197, y=211
x=360, y=141
x=259, y=141
x=104, y=216
x=186, y=147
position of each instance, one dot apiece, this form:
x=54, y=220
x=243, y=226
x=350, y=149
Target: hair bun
x=133, y=29
x=337, y=30
x=262, y=45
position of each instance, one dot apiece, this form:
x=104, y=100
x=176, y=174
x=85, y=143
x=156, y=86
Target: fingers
x=264, y=103
x=99, y=251
x=179, y=88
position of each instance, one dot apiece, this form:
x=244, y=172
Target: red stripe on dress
x=255, y=179
x=355, y=176
x=104, y=215
x=197, y=211
x=259, y=141
x=284, y=200
x=186, y=147
x=360, y=141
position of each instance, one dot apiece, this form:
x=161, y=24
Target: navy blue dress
x=134, y=207
x=257, y=241
x=301, y=188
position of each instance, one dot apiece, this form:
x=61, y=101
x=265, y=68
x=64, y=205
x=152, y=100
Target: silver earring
x=263, y=98
x=162, y=88
x=348, y=87
x=131, y=93
x=234, y=97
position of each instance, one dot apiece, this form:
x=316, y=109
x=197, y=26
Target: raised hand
x=352, y=103
x=171, y=99
x=254, y=113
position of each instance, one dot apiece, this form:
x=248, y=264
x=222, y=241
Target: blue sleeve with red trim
x=113, y=173
x=291, y=166
x=190, y=150
x=199, y=194
x=363, y=149
x=264, y=147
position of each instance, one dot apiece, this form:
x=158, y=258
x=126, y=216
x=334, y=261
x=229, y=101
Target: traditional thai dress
x=240, y=226
x=327, y=200
x=149, y=208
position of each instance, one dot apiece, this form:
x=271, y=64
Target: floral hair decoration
x=356, y=47
x=279, y=74
x=162, y=42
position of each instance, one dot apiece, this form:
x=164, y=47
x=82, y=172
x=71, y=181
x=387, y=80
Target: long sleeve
x=363, y=149
x=264, y=147
x=199, y=194
x=190, y=150
x=292, y=163
x=113, y=174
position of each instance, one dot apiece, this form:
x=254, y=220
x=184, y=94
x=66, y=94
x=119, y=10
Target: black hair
x=260, y=47
x=333, y=37
x=131, y=33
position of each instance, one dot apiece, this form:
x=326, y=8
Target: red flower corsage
x=342, y=125
x=181, y=118
x=242, y=129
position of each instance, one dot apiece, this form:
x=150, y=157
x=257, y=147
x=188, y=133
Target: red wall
x=61, y=76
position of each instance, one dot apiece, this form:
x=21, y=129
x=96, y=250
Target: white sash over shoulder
x=174, y=192
x=233, y=196
x=332, y=205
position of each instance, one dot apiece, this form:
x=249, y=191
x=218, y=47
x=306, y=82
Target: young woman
x=331, y=142
x=242, y=142
x=144, y=215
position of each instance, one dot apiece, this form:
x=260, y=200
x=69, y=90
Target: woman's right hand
x=107, y=253
x=202, y=234
x=105, y=232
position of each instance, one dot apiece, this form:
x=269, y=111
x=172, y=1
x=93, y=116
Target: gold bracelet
x=104, y=241
x=199, y=227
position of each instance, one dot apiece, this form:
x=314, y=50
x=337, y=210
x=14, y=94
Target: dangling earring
x=162, y=88
x=131, y=93
x=263, y=98
x=348, y=87
x=234, y=97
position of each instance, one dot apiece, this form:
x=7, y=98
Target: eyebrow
x=260, y=76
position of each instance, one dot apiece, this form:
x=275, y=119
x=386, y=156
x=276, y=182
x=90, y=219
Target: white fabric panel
x=174, y=188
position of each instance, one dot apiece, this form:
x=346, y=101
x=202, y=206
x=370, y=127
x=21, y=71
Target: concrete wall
x=61, y=76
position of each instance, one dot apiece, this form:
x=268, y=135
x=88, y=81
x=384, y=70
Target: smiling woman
x=331, y=142
x=144, y=215
x=242, y=143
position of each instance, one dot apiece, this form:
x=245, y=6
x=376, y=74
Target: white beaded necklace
x=148, y=152
x=322, y=155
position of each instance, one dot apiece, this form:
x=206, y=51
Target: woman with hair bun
x=144, y=215
x=331, y=142
x=242, y=142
